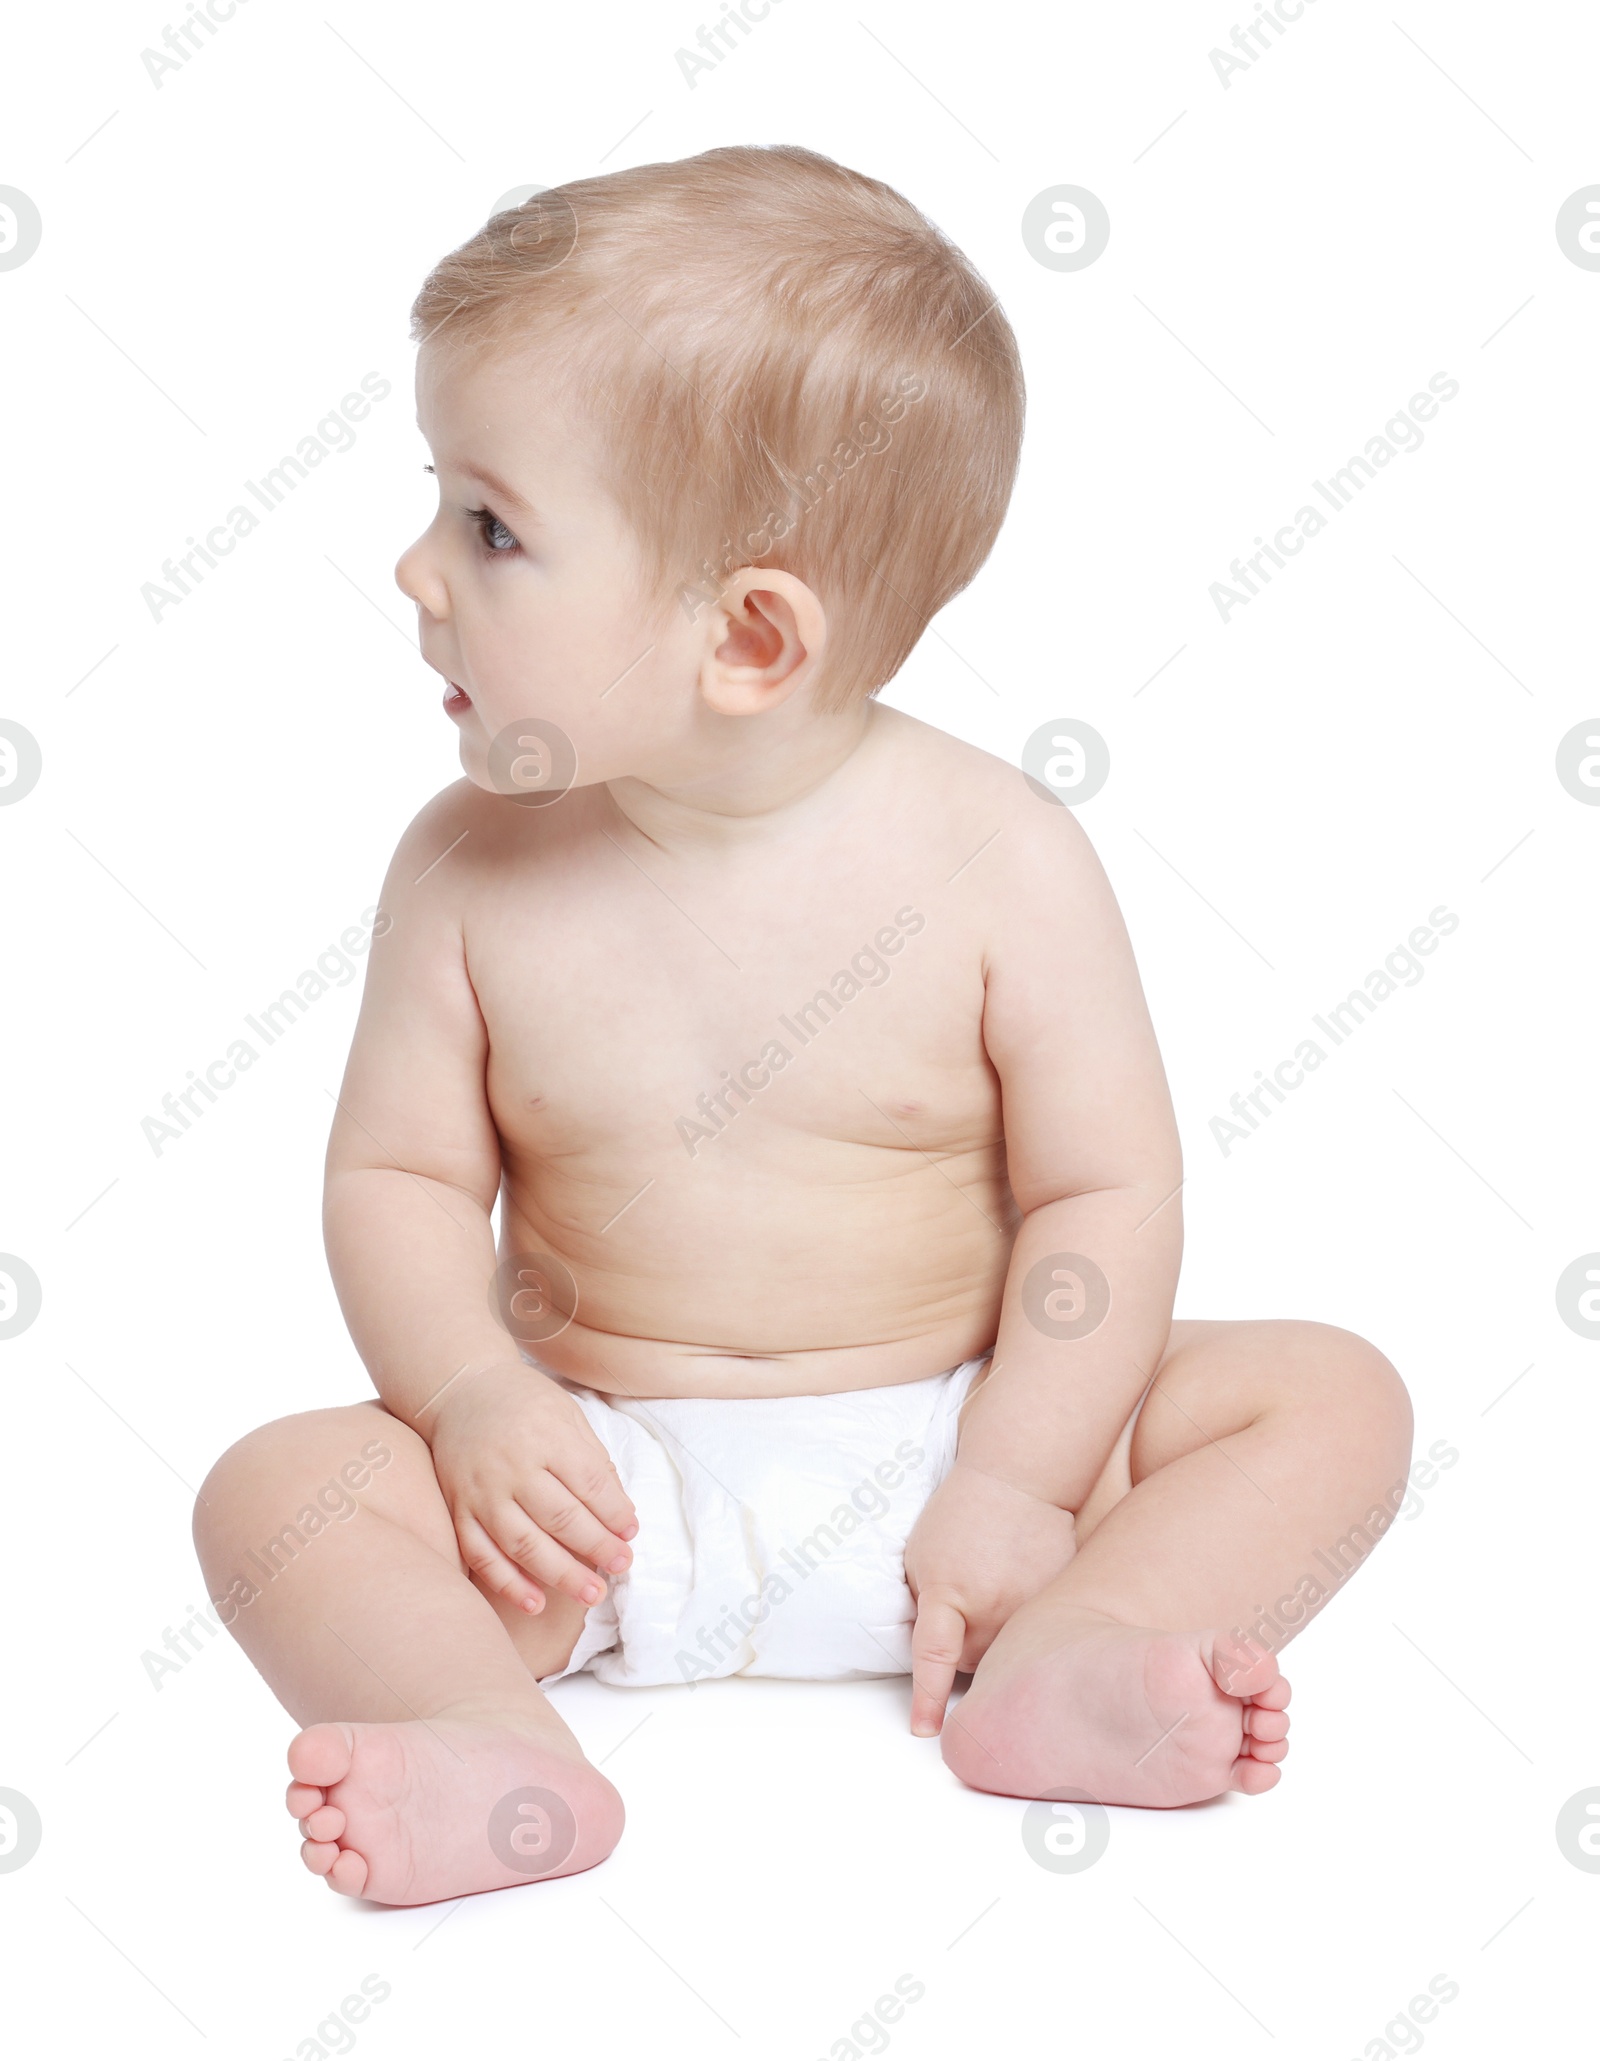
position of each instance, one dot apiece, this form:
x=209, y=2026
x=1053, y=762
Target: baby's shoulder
x=449, y=814
x=457, y=838
x=976, y=795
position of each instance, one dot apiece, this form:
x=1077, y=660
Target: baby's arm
x=1092, y=1153
x=1094, y=1163
x=413, y=1169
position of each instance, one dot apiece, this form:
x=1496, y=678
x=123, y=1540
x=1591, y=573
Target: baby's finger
x=490, y=1567
x=555, y=1506
x=937, y=1638
x=519, y=1535
x=588, y=1474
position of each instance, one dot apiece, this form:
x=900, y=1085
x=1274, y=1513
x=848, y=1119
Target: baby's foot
x=409, y=1813
x=1122, y=1715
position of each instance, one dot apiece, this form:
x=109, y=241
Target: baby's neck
x=778, y=774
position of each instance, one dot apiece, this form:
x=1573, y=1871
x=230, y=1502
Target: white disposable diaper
x=772, y=1531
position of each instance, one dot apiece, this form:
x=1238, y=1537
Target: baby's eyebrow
x=495, y=484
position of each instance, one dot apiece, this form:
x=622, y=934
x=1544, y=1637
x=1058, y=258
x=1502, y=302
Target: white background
x=1373, y=201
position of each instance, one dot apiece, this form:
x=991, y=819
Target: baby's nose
x=415, y=579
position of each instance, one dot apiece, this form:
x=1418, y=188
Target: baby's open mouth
x=456, y=699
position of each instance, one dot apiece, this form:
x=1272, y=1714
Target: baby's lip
x=434, y=666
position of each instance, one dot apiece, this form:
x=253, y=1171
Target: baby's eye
x=496, y=537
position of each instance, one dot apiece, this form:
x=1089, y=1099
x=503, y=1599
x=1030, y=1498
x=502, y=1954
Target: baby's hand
x=531, y=1489
x=979, y=1550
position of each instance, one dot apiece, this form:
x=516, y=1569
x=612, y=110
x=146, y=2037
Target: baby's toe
x=321, y=1755
x=1238, y=1666
x=348, y=1874
x=1253, y=1777
x=319, y=1855
x=1266, y=1749
x=324, y=1824
x=1266, y=1724
x=302, y=1799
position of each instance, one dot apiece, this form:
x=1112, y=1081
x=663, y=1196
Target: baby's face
x=530, y=587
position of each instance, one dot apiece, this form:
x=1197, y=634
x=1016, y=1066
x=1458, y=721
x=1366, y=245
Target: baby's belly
x=763, y=1286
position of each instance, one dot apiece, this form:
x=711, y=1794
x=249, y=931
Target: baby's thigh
x=325, y=1461
x=1122, y=1467
x=1113, y=1481
x=1324, y=1388
x=358, y=1454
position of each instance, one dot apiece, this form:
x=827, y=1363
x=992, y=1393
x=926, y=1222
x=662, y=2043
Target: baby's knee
x=1356, y=1385
x=320, y=1457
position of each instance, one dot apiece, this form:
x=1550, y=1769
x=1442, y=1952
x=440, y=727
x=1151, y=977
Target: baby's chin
x=473, y=752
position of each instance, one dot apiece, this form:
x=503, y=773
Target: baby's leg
x=1259, y=1458
x=431, y=1764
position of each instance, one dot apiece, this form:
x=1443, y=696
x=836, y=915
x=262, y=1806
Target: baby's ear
x=764, y=639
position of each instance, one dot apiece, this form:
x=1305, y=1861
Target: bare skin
x=577, y=1008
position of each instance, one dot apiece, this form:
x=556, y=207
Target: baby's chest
x=860, y=1023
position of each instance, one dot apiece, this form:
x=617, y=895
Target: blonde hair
x=789, y=365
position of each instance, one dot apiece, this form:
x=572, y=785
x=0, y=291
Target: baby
x=829, y=1331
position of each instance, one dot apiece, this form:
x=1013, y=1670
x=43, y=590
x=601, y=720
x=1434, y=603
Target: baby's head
x=713, y=440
